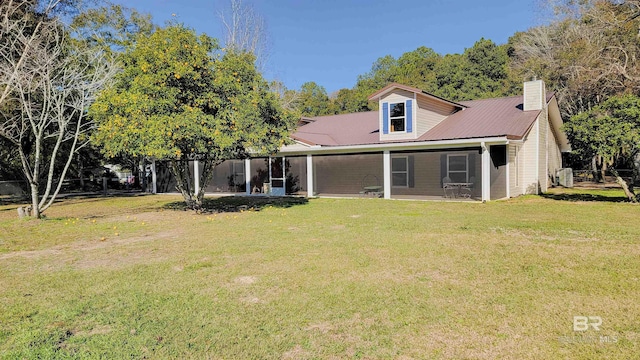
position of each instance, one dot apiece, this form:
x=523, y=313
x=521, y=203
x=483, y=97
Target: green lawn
x=135, y=277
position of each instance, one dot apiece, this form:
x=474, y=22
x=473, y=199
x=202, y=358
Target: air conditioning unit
x=564, y=177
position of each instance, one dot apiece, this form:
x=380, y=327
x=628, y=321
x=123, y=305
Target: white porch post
x=154, y=177
x=247, y=176
x=508, y=170
x=386, y=160
x=196, y=177
x=486, y=173
x=310, y=175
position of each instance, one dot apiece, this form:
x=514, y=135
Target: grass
x=327, y=278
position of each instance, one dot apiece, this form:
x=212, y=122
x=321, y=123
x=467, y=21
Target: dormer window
x=397, y=117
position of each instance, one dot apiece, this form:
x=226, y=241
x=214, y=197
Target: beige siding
x=498, y=177
x=543, y=178
x=529, y=153
x=430, y=113
x=534, y=95
x=397, y=96
x=393, y=97
x=515, y=171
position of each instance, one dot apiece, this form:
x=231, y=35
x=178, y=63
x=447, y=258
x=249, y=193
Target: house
x=417, y=146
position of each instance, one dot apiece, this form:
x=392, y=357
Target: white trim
x=466, y=172
x=386, y=161
x=310, y=175
x=400, y=146
x=196, y=177
x=404, y=116
x=406, y=161
x=422, y=93
x=538, y=155
x=546, y=151
x=247, y=177
x=414, y=116
x=486, y=173
x=284, y=175
x=508, y=175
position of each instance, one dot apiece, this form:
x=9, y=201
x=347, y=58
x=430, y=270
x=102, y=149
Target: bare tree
x=245, y=30
x=288, y=98
x=47, y=82
x=590, y=52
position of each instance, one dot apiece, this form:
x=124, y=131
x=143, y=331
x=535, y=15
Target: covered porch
x=473, y=172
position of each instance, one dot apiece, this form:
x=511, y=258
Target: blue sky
x=331, y=42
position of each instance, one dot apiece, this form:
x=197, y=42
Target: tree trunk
x=205, y=177
x=35, y=209
x=184, y=181
x=180, y=169
x=628, y=189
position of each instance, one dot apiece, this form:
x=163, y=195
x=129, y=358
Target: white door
x=277, y=176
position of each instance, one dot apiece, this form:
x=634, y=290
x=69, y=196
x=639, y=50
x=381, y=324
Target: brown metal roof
x=346, y=129
x=501, y=117
x=485, y=118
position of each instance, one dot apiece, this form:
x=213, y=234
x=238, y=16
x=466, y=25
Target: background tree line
x=588, y=54
x=51, y=71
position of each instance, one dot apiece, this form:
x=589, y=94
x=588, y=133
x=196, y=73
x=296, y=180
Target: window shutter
x=472, y=165
x=410, y=179
x=409, y=116
x=443, y=167
x=385, y=118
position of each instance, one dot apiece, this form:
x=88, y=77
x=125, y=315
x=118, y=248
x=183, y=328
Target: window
x=400, y=171
x=458, y=168
x=397, y=117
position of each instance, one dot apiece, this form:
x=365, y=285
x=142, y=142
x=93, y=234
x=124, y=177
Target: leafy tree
x=313, y=100
x=349, y=101
x=610, y=131
x=176, y=101
x=110, y=27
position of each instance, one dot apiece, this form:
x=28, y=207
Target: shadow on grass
x=16, y=200
x=585, y=197
x=240, y=203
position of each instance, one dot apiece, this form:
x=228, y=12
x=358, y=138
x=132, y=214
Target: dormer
x=406, y=113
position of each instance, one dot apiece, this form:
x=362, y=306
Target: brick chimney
x=534, y=95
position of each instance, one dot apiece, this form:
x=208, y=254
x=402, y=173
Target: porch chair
x=467, y=190
x=449, y=190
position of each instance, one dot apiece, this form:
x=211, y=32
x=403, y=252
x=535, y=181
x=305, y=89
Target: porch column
x=486, y=173
x=386, y=160
x=247, y=176
x=310, y=175
x=196, y=176
x=154, y=177
x=508, y=169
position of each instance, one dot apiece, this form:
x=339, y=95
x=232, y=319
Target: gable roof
x=393, y=86
x=499, y=117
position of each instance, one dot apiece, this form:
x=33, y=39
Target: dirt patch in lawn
x=114, y=252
